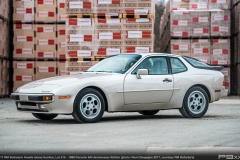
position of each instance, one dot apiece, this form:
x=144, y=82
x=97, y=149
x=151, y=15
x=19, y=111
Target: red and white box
x=45, y=14
x=23, y=10
x=23, y=41
x=200, y=24
x=180, y=47
x=201, y=49
x=220, y=52
x=220, y=23
x=45, y=69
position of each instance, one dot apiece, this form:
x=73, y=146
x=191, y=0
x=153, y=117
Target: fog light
x=47, y=98
x=41, y=106
x=18, y=105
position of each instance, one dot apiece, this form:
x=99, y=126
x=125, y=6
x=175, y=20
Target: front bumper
x=34, y=103
x=31, y=102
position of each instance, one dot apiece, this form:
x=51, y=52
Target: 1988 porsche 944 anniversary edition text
x=144, y=83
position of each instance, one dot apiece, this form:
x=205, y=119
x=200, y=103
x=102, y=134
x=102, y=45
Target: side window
x=177, y=65
x=155, y=66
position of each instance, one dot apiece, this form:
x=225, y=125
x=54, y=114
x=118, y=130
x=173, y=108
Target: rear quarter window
x=177, y=65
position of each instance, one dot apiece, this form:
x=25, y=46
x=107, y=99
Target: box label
x=104, y=1
x=142, y=20
x=27, y=78
x=24, y=65
x=200, y=30
x=219, y=1
x=84, y=53
x=220, y=51
x=181, y=47
x=24, y=51
x=179, y=23
x=75, y=5
x=134, y=34
x=113, y=51
x=200, y=50
x=142, y=49
x=141, y=11
x=113, y=21
x=76, y=38
x=200, y=6
x=24, y=11
x=220, y=17
x=105, y=35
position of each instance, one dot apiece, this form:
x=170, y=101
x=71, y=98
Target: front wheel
x=153, y=112
x=42, y=116
x=195, y=103
x=89, y=106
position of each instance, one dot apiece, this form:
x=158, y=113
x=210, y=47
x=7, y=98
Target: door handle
x=167, y=80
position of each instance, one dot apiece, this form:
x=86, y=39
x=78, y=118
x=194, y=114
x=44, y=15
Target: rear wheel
x=195, y=103
x=89, y=106
x=42, y=116
x=153, y=112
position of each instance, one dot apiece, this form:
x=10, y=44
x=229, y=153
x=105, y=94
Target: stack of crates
x=96, y=29
x=4, y=48
x=38, y=40
x=199, y=29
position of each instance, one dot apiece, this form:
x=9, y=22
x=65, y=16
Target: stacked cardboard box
x=23, y=10
x=235, y=68
x=103, y=28
x=199, y=29
x=45, y=11
x=23, y=72
x=4, y=48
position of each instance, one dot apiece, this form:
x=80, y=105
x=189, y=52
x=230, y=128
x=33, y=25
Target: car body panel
x=124, y=92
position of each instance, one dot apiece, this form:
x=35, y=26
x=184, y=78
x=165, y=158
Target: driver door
x=157, y=87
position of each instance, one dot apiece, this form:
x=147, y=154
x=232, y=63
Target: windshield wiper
x=104, y=71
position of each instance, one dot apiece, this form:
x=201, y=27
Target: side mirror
x=141, y=72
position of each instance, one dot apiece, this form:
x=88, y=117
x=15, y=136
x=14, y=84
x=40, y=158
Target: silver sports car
x=144, y=83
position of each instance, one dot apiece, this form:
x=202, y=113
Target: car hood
x=48, y=84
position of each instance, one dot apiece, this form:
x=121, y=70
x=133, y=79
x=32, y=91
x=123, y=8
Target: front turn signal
x=47, y=98
x=64, y=97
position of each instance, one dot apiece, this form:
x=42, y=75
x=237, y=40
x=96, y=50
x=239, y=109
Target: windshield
x=196, y=63
x=116, y=64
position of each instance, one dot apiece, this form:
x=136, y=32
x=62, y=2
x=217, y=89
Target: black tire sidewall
x=77, y=105
x=185, y=102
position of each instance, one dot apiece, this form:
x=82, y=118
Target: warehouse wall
x=5, y=54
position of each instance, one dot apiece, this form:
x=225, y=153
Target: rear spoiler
x=217, y=68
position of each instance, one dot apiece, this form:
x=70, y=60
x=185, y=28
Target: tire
x=89, y=106
x=195, y=103
x=42, y=116
x=150, y=112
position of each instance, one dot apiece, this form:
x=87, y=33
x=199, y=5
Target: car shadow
x=118, y=118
